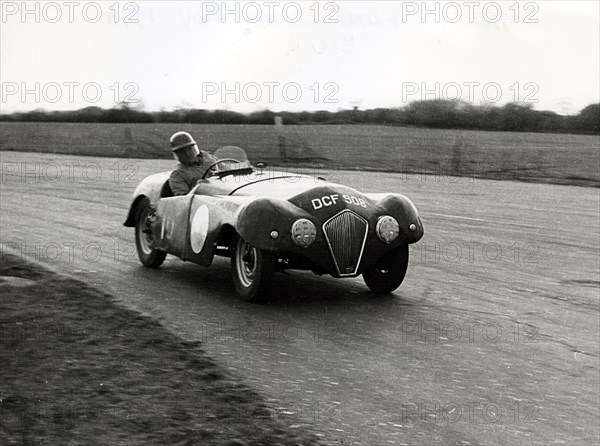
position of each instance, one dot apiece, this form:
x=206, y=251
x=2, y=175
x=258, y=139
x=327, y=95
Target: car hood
x=284, y=186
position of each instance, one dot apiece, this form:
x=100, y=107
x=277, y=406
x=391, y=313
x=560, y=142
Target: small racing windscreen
x=233, y=158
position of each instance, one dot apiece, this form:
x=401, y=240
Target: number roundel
x=199, y=228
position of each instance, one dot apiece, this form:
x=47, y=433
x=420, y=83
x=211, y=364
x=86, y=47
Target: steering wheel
x=217, y=163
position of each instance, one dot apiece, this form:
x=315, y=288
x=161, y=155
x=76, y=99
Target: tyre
x=150, y=257
x=252, y=270
x=389, y=271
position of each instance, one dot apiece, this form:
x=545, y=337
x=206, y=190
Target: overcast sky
x=298, y=56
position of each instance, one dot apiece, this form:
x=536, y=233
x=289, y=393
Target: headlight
x=387, y=229
x=303, y=232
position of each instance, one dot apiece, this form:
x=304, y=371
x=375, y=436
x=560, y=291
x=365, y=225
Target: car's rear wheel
x=252, y=270
x=150, y=257
x=389, y=271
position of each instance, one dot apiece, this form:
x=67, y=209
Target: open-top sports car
x=268, y=221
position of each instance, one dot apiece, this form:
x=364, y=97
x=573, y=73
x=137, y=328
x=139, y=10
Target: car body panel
x=257, y=205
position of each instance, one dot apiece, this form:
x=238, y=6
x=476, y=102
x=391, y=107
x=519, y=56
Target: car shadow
x=323, y=309
x=295, y=290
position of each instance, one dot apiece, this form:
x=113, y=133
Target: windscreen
x=237, y=155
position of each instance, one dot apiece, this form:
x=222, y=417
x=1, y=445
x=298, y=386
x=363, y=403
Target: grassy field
x=79, y=369
x=553, y=158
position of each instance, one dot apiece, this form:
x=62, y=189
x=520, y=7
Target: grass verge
x=76, y=368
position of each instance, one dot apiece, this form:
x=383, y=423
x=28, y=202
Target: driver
x=193, y=163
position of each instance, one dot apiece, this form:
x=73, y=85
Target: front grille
x=346, y=234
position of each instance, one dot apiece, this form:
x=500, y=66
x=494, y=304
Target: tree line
x=442, y=114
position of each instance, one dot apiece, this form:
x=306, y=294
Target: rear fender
x=149, y=188
x=130, y=221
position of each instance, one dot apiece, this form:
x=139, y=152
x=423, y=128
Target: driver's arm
x=178, y=184
x=207, y=160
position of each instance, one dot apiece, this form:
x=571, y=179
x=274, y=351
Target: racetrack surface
x=491, y=339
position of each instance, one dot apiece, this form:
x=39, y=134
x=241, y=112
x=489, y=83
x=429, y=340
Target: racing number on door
x=329, y=200
x=167, y=226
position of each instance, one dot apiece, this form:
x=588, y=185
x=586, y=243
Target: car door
x=171, y=231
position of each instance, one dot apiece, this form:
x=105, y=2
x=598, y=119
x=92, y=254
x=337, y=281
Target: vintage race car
x=269, y=221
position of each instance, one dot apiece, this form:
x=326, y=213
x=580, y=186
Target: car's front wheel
x=389, y=271
x=252, y=270
x=150, y=257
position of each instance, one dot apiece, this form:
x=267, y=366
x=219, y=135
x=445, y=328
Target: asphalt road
x=492, y=339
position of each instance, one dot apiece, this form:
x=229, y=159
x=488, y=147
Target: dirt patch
x=79, y=369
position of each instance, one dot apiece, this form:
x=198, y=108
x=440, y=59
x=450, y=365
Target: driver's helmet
x=184, y=147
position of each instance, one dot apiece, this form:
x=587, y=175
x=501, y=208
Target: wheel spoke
x=145, y=233
x=246, y=257
x=251, y=269
x=144, y=237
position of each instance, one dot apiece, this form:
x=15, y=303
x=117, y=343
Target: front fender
x=404, y=211
x=214, y=219
x=258, y=219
